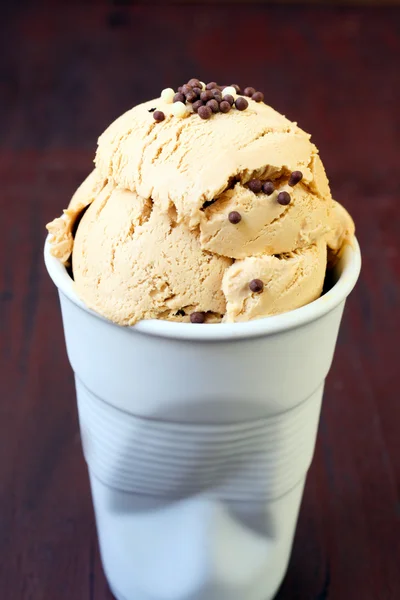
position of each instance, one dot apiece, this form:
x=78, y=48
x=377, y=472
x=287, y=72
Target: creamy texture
x=190, y=161
x=61, y=229
x=132, y=261
x=156, y=241
x=267, y=227
x=290, y=281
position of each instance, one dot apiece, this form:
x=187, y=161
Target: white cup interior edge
x=348, y=268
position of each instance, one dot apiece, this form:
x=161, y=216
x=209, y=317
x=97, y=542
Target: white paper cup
x=198, y=439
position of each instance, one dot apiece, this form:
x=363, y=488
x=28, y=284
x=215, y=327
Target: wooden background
x=66, y=71
x=379, y=3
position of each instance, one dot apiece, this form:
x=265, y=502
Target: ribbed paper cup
x=198, y=439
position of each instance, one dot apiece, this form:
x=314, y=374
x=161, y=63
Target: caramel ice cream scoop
x=204, y=203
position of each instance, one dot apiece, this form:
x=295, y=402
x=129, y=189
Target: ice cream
x=201, y=211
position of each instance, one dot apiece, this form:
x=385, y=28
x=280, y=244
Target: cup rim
x=348, y=269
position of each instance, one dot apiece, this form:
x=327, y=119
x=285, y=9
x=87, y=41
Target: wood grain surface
x=379, y=3
x=66, y=71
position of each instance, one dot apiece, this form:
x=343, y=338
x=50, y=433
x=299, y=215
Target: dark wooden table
x=66, y=72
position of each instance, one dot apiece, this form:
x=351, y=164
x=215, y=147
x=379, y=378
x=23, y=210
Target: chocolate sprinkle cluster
x=210, y=100
x=256, y=186
x=207, y=99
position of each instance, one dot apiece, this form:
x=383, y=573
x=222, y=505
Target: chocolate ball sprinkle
x=196, y=105
x=234, y=217
x=213, y=104
x=186, y=89
x=204, y=112
x=180, y=89
x=216, y=92
x=158, y=115
x=197, y=90
x=224, y=106
x=197, y=317
x=206, y=95
x=237, y=88
x=284, y=198
x=255, y=185
x=179, y=97
x=249, y=91
x=256, y=286
x=268, y=187
x=228, y=98
x=211, y=85
x=194, y=83
x=295, y=177
x=241, y=103
x=258, y=97
x=191, y=96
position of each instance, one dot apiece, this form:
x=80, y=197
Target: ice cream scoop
x=185, y=208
